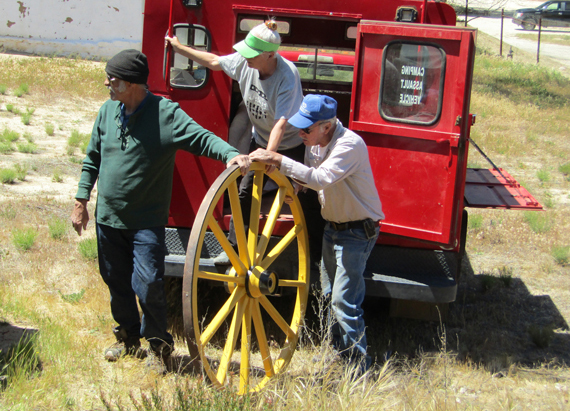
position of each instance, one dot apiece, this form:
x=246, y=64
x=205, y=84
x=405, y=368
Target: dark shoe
x=163, y=351
x=161, y=360
x=125, y=345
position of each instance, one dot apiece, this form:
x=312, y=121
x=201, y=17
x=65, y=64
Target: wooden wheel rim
x=244, y=304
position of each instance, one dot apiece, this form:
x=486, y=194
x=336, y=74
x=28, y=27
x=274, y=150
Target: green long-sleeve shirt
x=134, y=166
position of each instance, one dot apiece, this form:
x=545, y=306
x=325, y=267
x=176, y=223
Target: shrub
x=9, y=135
x=57, y=177
x=88, y=248
x=539, y=222
x=543, y=175
x=561, y=254
x=28, y=148
x=24, y=239
x=21, y=171
x=21, y=90
x=3, y=89
x=58, y=228
x=564, y=169
x=7, y=175
x=27, y=116
x=6, y=148
x=50, y=129
x=10, y=107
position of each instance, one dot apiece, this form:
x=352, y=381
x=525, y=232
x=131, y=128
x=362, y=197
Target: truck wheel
x=528, y=24
x=221, y=335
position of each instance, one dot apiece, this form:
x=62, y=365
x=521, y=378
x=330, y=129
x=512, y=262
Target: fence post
x=538, y=47
x=466, y=6
x=501, y=42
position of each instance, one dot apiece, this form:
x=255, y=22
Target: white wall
x=91, y=28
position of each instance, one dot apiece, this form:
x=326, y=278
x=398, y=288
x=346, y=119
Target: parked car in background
x=553, y=14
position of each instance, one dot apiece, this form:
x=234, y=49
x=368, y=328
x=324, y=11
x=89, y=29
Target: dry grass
x=504, y=344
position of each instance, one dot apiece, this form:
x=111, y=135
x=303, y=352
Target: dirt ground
x=538, y=294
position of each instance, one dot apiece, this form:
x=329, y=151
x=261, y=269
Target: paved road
x=492, y=26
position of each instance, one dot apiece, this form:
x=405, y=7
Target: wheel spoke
x=239, y=227
x=270, y=223
x=257, y=193
x=225, y=243
x=231, y=342
x=213, y=337
x=280, y=247
x=206, y=275
x=245, y=349
x=279, y=320
x=217, y=321
x=262, y=339
x=292, y=283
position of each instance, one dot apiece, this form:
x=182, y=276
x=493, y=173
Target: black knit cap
x=129, y=65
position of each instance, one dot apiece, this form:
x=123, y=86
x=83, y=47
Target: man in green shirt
x=131, y=156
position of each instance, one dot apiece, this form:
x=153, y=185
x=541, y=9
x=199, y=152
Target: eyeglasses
x=111, y=79
x=308, y=130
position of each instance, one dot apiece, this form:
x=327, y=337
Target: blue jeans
x=342, y=279
x=131, y=263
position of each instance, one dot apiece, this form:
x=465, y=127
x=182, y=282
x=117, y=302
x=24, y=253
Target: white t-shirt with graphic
x=269, y=100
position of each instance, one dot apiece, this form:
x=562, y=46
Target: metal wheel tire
x=247, y=295
x=527, y=24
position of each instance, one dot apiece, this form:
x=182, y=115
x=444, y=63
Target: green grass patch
x=10, y=108
x=57, y=177
x=88, y=248
x=27, y=148
x=27, y=116
x=543, y=175
x=88, y=77
x=21, y=171
x=20, y=360
x=9, y=135
x=521, y=83
x=475, y=222
x=72, y=298
x=50, y=129
x=6, y=148
x=565, y=169
x=7, y=175
x=58, y=228
x=538, y=221
x=3, y=89
x=560, y=39
x=561, y=254
x=24, y=239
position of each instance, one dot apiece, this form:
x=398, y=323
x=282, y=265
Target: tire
x=251, y=312
x=528, y=24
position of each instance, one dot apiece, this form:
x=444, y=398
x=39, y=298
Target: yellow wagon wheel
x=219, y=308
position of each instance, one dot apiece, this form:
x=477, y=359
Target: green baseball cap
x=252, y=46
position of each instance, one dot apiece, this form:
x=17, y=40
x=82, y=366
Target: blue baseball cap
x=315, y=107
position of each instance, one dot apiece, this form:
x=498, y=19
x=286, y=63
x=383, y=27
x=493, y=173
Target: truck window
x=411, y=88
x=322, y=66
x=245, y=25
x=185, y=73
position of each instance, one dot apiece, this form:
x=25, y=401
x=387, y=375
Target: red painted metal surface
x=210, y=106
x=419, y=168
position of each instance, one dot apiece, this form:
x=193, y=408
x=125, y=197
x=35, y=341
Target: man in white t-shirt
x=337, y=166
x=271, y=90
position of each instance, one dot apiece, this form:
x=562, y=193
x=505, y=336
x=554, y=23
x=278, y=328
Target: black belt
x=350, y=224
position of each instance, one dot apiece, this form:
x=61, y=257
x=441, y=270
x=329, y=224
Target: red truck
x=401, y=72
